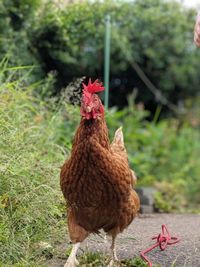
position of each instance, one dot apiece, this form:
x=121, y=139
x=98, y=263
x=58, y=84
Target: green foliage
x=16, y=23
x=165, y=154
x=68, y=39
x=20, y=13
x=31, y=205
x=135, y=262
x=156, y=34
x=91, y=259
x=170, y=196
x=36, y=135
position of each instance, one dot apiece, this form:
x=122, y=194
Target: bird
x=96, y=180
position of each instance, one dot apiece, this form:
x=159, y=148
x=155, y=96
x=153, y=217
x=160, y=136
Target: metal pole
x=107, y=60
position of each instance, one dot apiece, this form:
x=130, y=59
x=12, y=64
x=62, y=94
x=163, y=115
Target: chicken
x=197, y=31
x=118, y=147
x=96, y=181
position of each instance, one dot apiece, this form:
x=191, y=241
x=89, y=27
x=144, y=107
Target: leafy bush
x=170, y=196
x=156, y=34
x=165, y=154
x=16, y=22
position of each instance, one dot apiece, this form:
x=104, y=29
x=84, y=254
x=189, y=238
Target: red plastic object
x=163, y=239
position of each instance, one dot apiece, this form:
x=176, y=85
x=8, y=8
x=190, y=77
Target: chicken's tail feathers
x=119, y=137
x=134, y=178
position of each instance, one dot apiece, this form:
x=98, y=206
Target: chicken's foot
x=72, y=261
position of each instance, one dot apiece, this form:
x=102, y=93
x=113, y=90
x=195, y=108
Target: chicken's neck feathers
x=95, y=129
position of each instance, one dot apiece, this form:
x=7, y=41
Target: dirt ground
x=138, y=237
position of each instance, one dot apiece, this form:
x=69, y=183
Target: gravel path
x=138, y=237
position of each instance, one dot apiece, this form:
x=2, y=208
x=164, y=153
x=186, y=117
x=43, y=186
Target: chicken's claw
x=114, y=263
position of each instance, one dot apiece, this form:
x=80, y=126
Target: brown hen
x=96, y=181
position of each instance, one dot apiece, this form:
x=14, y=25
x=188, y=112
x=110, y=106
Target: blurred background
x=153, y=92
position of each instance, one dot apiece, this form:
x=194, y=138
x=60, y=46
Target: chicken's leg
x=72, y=261
x=114, y=261
x=77, y=235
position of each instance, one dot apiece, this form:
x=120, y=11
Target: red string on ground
x=163, y=239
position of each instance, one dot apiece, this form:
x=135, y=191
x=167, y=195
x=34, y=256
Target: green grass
x=90, y=259
x=31, y=204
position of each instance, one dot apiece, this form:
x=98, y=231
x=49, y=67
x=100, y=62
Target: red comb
x=94, y=87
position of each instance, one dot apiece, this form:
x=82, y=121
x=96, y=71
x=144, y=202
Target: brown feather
x=97, y=182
